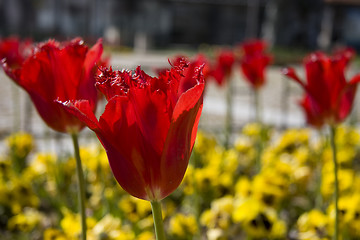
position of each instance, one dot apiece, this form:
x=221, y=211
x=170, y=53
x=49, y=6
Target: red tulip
x=328, y=96
x=223, y=67
x=14, y=50
x=62, y=72
x=254, y=62
x=253, y=47
x=148, y=127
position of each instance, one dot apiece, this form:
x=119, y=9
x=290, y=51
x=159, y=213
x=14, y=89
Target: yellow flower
x=257, y=220
x=20, y=194
x=89, y=157
x=54, y=234
x=345, y=178
x=206, y=178
x=135, y=209
x=146, y=235
x=43, y=163
x=230, y=162
x=272, y=184
x=269, y=156
x=347, y=135
x=245, y=148
x=203, y=143
x=187, y=184
x=252, y=130
x=349, y=214
x=20, y=144
x=71, y=223
x=302, y=155
x=43, y=167
x=110, y=228
x=107, y=224
x=313, y=225
x=5, y=169
x=243, y=187
x=292, y=139
x=219, y=215
x=95, y=162
x=345, y=155
x=25, y=221
x=215, y=158
x=246, y=209
x=168, y=208
x=182, y=226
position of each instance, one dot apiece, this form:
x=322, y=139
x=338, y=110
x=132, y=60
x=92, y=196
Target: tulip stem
x=336, y=183
x=81, y=184
x=257, y=106
x=260, y=138
x=158, y=221
x=229, y=114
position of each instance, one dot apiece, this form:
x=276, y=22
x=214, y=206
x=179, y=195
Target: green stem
x=81, y=184
x=229, y=114
x=260, y=138
x=318, y=174
x=158, y=221
x=196, y=196
x=16, y=104
x=257, y=106
x=336, y=192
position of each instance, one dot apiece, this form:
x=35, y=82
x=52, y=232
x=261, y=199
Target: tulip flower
x=60, y=71
x=221, y=71
x=157, y=116
x=254, y=62
x=328, y=99
x=148, y=127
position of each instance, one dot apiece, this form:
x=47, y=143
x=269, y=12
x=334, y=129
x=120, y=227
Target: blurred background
x=149, y=32
x=157, y=24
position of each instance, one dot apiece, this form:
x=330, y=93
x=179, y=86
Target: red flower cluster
x=328, y=96
x=149, y=125
x=254, y=62
x=58, y=71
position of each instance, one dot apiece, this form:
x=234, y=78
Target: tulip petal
x=312, y=111
x=180, y=139
x=82, y=110
x=14, y=74
x=93, y=55
x=152, y=115
x=290, y=72
x=347, y=97
x=131, y=160
x=89, y=69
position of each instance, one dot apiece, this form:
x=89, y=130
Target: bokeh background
x=149, y=32
x=153, y=24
